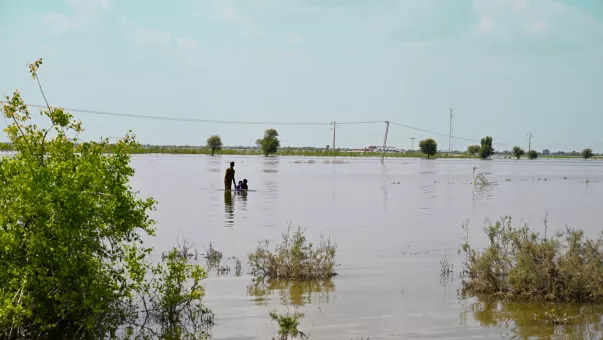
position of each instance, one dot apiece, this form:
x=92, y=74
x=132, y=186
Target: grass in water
x=213, y=257
x=521, y=264
x=288, y=325
x=294, y=258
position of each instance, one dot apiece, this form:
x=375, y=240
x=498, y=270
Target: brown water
x=393, y=224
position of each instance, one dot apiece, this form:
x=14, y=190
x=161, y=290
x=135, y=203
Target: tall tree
x=214, y=143
x=518, y=152
x=270, y=143
x=486, y=150
x=428, y=147
x=587, y=153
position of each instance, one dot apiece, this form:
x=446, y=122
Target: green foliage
x=518, y=152
x=173, y=300
x=428, y=147
x=294, y=258
x=486, y=149
x=473, y=149
x=214, y=143
x=70, y=244
x=270, y=143
x=587, y=153
x=71, y=251
x=532, y=154
x=287, y=325
x=519, y=263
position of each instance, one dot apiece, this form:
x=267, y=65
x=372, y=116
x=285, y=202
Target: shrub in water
x=519, y=263
x=294, y=258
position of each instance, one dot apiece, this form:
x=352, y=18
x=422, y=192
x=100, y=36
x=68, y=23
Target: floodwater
x=393, y=223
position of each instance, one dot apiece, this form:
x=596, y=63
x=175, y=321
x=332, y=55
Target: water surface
x=393, y=223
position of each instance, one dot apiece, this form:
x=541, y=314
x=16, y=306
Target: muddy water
x=393, y=224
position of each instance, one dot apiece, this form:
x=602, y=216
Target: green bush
x=532, y=154
x=518, y=152
x=587, y=153
x=519, y=263
x=72, y=259
x=294, y=258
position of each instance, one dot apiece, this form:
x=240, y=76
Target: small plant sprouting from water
x=288, y=324
x=447, y=268
x=294, y=258
x=213, y=257
x=521, y=264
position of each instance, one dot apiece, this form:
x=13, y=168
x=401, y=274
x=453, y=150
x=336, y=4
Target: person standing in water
x=229, y=177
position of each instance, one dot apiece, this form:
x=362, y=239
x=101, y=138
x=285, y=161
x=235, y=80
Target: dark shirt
x=244, y=186
x=229, y=176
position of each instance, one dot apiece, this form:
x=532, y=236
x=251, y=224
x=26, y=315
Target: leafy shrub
x=173, y=300
x=294, y=258
x=287, y=325
x=73, y=264
x=532, y=154
x=519, y=263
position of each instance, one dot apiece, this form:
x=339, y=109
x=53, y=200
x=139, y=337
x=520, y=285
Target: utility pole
x=335, y=126
x=450, y=133
x=385, y=140
x=529, y=138
x=412, y=143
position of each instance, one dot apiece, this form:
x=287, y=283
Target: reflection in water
x=228, y=208
x=295, y=293
x=270, y=165
x=526, y=320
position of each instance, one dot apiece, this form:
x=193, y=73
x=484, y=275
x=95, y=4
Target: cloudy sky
x=506, y=67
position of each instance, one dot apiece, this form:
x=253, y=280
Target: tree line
x=269, y=144
x=485, y=150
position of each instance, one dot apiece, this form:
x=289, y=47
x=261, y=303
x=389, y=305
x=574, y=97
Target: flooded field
x=393, y=224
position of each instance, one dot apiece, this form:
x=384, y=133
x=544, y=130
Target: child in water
x=240, y=186
x=244, y=185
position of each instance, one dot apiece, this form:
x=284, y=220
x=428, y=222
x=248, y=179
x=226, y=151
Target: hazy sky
x=507, y=67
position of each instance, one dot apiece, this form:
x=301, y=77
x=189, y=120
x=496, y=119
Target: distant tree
x=546, y=152
x=214, y=143
x=518, y=152
x=270, y=143
x=473, y=149
x=428, y=147
x=486, y=150
x=532, y=154
x=587, y=153
x=327, y=147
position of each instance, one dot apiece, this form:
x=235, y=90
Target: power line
x=241, y=122
x=197, y=120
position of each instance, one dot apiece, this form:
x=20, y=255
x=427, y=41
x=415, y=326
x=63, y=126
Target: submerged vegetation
x=288, y=324
x=521, y=264
x=294, y=258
